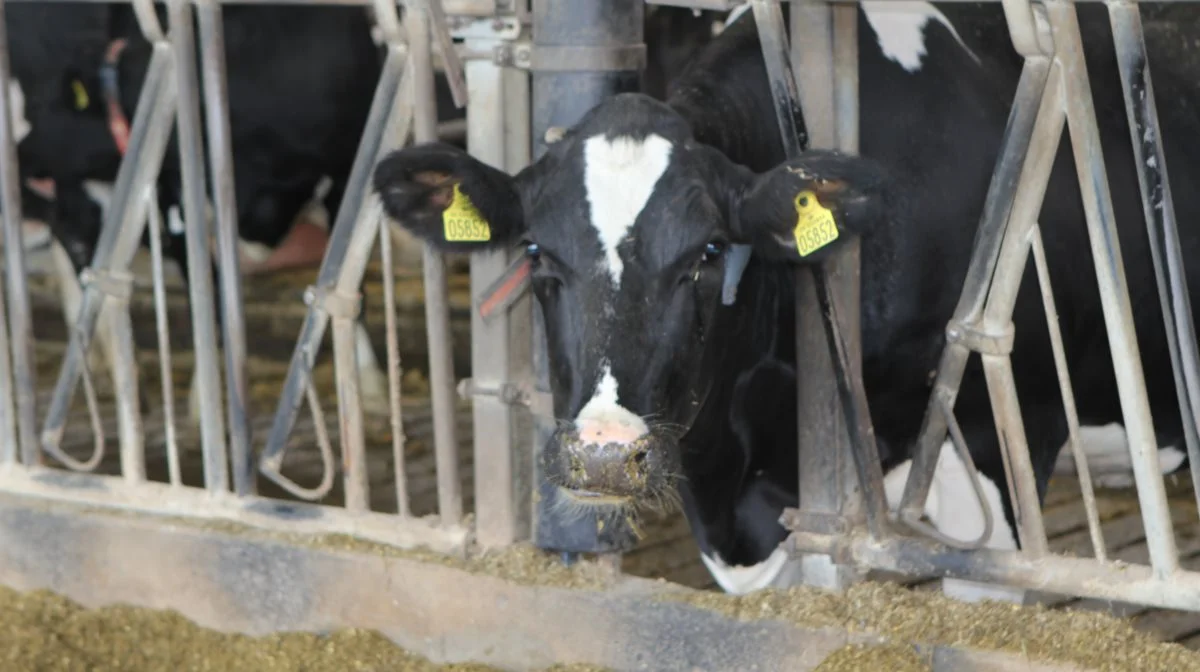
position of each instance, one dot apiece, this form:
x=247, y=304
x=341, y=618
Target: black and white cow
x=628, y=219
x=300, y=82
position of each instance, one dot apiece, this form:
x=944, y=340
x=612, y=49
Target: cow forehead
x=620, y=174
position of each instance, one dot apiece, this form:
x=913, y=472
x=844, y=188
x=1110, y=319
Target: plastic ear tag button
x=815, y=227
x=81, y=96
x=463, y=223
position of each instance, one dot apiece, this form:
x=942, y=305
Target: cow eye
x=713, y=251
x=533, y=251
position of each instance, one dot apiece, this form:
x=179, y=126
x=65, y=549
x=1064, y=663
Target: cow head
x=627, y=220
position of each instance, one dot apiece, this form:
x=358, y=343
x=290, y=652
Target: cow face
x=626, y=221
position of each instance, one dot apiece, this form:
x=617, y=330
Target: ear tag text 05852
x=463, y=223
x=815, y=227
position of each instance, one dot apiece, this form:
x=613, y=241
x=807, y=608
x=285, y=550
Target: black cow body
x=300, y=83
x=627, y=218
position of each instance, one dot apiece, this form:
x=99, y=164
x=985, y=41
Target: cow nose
x=611, y=430
x=619, y=469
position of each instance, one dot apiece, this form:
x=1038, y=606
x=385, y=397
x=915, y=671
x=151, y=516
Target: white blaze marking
x=900, y=29
x=603, y=408
x=955, y=511
x=741, y=580
x=619, y=176
x=16, y=108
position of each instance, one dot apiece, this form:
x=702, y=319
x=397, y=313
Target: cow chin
x=613, y=477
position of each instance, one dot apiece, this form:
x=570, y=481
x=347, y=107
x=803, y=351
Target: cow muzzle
x=613, y=470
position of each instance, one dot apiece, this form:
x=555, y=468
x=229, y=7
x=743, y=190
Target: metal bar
x=1068, y=396
x=495, y=504
x=1161, y=225
x=1114, y=294
x=110, y=492
x=997, y=314
x=788, y=114
x=220, y=153
x=129, y=414
x=394, y=370
x=437, y=307
x=120, y=234
x=828, y=487
x=993, y=225
x=1085, y=577
x=14, y=244
x=164, y=337
x=350, y=415
x=450, y=7
x=18, y=320
x=200, y=280
x=379, y=133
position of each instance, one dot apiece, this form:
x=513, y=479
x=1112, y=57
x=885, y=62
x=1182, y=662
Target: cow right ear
x=449, y=198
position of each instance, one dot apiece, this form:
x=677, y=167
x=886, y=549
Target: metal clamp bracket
x=630, y=57
x=814, y=522
x=117, y=285
x=335, y=303
x=508, y=393
x=977, y=340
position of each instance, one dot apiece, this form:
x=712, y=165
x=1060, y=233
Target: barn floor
x=274, y=312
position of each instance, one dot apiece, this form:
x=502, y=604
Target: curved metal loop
x=272, y=469
x=1029, y=28
x=960, y=446
x=147, y=19
x=50, y=444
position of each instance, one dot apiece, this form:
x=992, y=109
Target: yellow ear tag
x=463, y=223
x=815, y=227
x=81, y=95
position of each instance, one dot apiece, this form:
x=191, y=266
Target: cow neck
x=110, y=87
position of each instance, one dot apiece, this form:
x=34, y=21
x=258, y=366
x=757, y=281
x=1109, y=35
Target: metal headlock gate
x=580, y=53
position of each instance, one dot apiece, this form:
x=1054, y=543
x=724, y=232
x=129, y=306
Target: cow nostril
x=639, y=458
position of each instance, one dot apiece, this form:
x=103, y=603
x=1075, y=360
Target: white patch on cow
x=373, y=382
x=954, y=510
x=739, y=580
x=603, y=408
x=175, y=221
x=16, y=108
x=619, y=176
x=1106, y=449
x=899, y=27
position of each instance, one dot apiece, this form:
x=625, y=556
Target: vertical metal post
x=520, y=314
x=14, y=255
x=437, y=308
x=824, y=53
x=1159, y=209
x=200, y=280
x=1114, y=293
x=561, y=99
x=496, y=515
x=216, y=105
x=19, y=317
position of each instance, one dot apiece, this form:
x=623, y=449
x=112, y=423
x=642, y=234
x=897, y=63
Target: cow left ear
x=804, y=209
x=450, y=199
